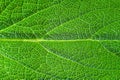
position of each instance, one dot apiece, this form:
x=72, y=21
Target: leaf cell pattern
x=59, y=39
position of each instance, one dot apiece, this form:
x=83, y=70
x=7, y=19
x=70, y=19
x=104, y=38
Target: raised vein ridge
x=43, y=40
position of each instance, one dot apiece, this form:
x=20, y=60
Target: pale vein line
x=7, y=6
x=77, y=17
x=29, y=16
x=29, y=68
x=81, y=64
x=42, y=40
x=108, y=50
x=105, y=27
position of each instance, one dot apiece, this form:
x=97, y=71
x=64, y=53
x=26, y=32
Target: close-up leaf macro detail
x=59, y=39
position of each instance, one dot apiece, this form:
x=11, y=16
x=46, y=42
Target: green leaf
x=59, y=39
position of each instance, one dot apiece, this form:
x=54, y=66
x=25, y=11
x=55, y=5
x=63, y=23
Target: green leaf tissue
x=59, y=39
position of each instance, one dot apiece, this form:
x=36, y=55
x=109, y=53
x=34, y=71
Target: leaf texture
x=59, y=39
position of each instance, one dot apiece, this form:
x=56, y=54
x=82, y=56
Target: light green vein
x=42, y=40
x=10, y=26
x=81, y=64
x=10, y=58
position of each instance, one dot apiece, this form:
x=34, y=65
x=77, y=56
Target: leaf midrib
x=43, y=40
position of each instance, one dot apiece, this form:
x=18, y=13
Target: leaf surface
x=59, y=39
